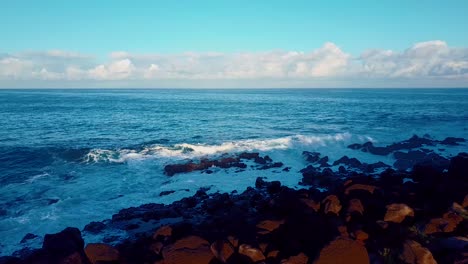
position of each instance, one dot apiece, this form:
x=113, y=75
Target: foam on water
x=188, y=151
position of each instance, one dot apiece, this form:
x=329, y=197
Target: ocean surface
x=69, y=157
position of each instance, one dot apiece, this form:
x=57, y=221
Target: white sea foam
x=186, y=150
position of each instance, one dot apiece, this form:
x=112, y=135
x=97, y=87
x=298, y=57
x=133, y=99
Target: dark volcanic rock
x=164, y=193
x=27, y=237
x=64, y=243
x=94, y=227
x=311, y=156
x=452, y=141
x=351, y=162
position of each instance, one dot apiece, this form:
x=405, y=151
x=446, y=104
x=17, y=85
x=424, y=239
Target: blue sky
x=98, y=29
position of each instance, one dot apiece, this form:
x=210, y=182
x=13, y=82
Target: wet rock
x=247, y=155
x=98, y=253
x=222, y=250
x=173, y=169
x=331, y=204
x=323, y=162
x=351, y=162
x=63, y=243
x=94, y=227
x=414, y=253
x=343, y=251
x=271, y=166
x=52, y=201
x=311, y=156
x=398, y=212
x=192, y=249
x=164, y=193
x=28, y=237
x=252, y=253
x=452, y=141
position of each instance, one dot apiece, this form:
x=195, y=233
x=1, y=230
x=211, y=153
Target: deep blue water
x=68, y=157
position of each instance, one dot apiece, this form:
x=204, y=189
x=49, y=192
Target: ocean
x=69, y=157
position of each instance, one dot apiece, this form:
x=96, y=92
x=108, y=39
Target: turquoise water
x=68, y=157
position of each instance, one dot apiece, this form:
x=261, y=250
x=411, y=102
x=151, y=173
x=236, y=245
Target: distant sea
x=69, y=157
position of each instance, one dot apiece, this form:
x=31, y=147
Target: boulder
x=254, y=254
x=64, y=243
x=222, y=250
x=331, y=204
x=192, y=249
x=414, y=253
x=98, y=253
x=398, y=212
x=343, y=251
x=355, y=206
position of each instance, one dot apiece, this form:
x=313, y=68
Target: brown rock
x=465, y=202
x=311, y=204
x=361, y=236
x=347, y=182
x=163, y=231
x=362, y=187
x=101, y=253
x=222, y=250
x=269, y=226
x=448, y=223
x=299, y=259
x=355, y=206
x=273, y=254
x=253, y=253
x=234, y=241
x=397, y=213
x=332, y=204
x=457, y=208
x=343, y=251
x=263, y=247
x=343, y=231
x=190, y=249
x=156, y=247
x=414, y=253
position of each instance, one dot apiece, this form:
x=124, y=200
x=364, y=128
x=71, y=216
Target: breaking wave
x=186, y=150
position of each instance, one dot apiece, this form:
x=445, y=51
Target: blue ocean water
x=68, y=157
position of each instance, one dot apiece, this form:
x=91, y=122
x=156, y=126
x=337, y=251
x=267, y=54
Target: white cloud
x=423, y=62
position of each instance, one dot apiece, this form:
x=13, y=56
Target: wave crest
x=186, y=150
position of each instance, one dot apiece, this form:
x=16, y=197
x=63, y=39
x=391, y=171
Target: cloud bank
x=424, y=64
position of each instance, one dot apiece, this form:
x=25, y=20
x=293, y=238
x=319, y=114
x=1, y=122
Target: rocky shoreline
x=361, y=213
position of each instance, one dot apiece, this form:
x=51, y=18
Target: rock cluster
x=357, y=219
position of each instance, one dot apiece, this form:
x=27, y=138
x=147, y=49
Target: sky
x=238, y=44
